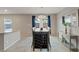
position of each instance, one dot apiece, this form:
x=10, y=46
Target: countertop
x=39, y=30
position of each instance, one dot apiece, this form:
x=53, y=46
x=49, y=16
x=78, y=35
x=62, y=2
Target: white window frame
x=7, y=24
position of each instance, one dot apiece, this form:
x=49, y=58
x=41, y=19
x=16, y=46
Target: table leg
x=77, y=43
x=70, y=44
x=33, y=49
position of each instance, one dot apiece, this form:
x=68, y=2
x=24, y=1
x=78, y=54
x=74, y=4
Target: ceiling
x=30, y=10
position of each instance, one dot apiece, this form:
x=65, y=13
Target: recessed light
x=41, y=7
x=5, y=10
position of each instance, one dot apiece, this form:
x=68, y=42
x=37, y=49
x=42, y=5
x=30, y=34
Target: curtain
x=33, y=21
x=49, y=21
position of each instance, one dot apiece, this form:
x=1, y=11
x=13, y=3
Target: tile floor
x=24, y=45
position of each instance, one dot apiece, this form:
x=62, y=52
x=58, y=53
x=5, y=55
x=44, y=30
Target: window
x=68, y=19
x=7, y=24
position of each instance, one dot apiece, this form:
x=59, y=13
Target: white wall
x=66, y=11
x=23, y=23
x=54, y=25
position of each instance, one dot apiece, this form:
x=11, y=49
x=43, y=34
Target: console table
x=76, y=38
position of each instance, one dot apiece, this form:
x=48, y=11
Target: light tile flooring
x=24, y=45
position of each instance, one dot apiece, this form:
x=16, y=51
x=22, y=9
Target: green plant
x=66, y=24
